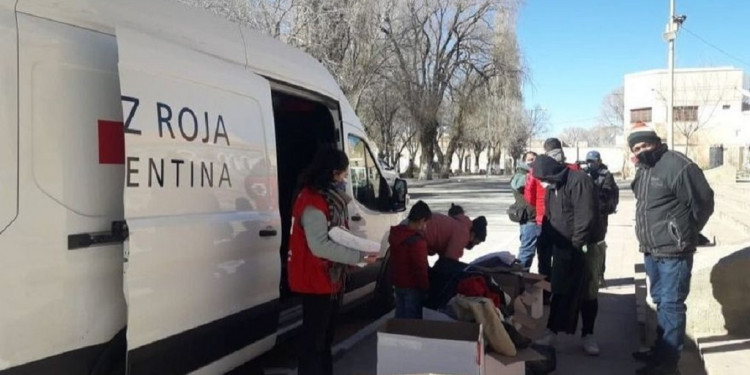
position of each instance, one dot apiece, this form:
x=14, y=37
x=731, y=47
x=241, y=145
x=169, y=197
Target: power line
x=553, y=123
x=716, y=47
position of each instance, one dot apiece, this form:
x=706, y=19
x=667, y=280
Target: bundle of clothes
x=469, y=292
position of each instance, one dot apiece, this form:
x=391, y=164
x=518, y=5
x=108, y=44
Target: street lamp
x=670, y=34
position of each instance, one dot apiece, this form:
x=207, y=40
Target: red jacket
x=408, y=258
x=308, y=273
x=534, y=192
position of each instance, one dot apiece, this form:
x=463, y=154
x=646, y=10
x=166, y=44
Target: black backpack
x=517, y=214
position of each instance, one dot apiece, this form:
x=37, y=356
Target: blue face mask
x=340, y=186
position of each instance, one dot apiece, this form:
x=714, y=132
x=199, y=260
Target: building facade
x=711, y=108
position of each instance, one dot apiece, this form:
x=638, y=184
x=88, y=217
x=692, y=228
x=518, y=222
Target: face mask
x=340, y=186
x=592, y=167
x=647, y=157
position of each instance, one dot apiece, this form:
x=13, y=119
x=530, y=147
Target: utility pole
x=670, y=61
x=673, y=25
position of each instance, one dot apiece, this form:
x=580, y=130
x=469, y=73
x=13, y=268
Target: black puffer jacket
x=674, y=202
x=572, y=206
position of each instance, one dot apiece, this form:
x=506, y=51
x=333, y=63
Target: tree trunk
x=427, y=141
x=440, y=158
x=445, y=170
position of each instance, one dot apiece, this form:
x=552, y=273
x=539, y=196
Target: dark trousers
x=670, y=286
x=318, y=318
x=544, y=251
x=408, y=303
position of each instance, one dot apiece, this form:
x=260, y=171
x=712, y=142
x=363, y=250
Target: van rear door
x=202, y=269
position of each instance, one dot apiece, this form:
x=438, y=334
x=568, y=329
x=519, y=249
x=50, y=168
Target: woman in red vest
x=317, y=266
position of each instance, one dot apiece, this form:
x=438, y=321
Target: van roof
x=199, y=30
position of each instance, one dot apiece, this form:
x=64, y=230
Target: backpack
x=517, y=214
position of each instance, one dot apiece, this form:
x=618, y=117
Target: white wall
x=710, y=89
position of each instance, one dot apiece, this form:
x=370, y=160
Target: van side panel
x=8, y=117
x=202, y=266
x=63, y=300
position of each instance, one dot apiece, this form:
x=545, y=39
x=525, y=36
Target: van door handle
x=268, y=233
x=356, y=217
x=118, y=233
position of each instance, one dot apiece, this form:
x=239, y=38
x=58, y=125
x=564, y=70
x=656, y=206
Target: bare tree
x=432, y=40
x=574, y=135
x=612, y=111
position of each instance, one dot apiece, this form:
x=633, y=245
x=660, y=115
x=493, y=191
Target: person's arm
x=530, y=188
x=585, y=211
x=692, y=189
x=613, y=193
x=418, y=258
x=316, y=232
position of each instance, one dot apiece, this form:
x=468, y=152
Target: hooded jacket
x=448, y=236
x=535, y=194
x=408, y=258
x=673, y=204
x=571, y=204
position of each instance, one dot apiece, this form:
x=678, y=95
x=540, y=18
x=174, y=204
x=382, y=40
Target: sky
x=577, y=51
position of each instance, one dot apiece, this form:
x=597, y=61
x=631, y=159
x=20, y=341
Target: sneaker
x=590, y=346
x=647, y=356
x=547, y=339
x=658, y=370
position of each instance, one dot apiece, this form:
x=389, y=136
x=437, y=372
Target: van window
x=364, y=175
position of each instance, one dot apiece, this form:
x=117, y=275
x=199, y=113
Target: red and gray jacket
x=312, y=255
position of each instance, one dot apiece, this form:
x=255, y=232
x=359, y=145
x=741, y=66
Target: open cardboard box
x=497, y=364
x=409, y=346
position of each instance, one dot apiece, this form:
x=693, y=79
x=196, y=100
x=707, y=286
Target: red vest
x=308, y=273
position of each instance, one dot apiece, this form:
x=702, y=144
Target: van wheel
x=383, y=300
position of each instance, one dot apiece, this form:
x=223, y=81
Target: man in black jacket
x=673, y=203
x=609, y=196
x=571, y=227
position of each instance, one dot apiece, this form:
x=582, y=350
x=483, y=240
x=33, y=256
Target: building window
x=640, y=114
x=745, y=106
x=726, y=106
x=686, y=113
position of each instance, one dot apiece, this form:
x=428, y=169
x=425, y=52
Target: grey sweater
x=316, y=232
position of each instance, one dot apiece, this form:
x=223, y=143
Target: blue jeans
x=527, y=250
x=670, y=286
x=408, y=303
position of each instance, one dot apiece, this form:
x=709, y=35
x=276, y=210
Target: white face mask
x=545, y=185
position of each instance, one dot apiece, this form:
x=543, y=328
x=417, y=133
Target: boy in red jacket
x=409, y=262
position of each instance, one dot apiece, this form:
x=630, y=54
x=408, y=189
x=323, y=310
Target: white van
x=148, y=157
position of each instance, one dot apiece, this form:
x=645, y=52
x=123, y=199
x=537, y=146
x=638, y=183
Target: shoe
x=647, y=356
x=590, y=346
x=547, y=339
x=658, y=370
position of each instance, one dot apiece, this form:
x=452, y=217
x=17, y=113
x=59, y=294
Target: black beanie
x=545, y=167
x=552, y=144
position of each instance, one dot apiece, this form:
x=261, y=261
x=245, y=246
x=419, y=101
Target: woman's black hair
x=420, y=211
x=319, y=174
x=455, y=210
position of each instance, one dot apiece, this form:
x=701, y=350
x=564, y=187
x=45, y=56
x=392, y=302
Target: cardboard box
x=407, y=346
x=496, y=364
